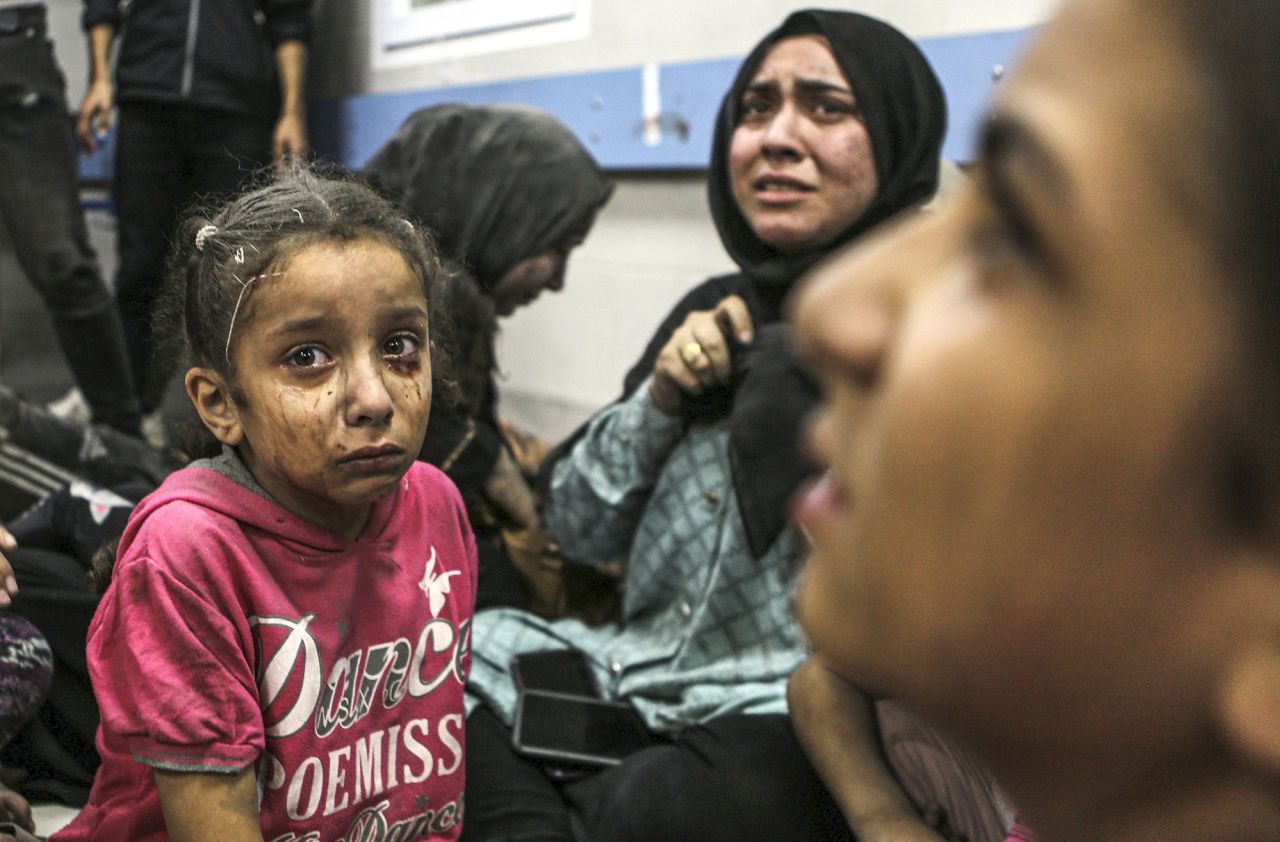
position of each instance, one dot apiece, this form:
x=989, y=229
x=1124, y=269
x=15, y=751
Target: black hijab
x=905, y=115
x=495, y=184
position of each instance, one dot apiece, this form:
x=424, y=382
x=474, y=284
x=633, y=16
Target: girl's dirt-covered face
x=331, y=360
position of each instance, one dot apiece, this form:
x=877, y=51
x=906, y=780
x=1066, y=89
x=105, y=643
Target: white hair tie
x=203, y=234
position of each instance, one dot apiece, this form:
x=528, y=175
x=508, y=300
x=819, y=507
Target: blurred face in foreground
x=1023, y=529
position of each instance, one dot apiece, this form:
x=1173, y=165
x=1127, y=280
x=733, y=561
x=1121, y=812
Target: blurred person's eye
x=1016, y=182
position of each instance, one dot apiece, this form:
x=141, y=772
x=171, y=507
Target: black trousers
x=40, y=207
x=735, y=778
x=167, y=159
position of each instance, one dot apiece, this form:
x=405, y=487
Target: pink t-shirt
x=236, y=633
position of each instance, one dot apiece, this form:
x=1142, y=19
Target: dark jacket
x=210, y=54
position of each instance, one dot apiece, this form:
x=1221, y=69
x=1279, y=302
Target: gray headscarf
x=495, y=184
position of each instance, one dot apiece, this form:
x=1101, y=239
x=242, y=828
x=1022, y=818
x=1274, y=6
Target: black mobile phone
x=577, y=730
x=557, y=670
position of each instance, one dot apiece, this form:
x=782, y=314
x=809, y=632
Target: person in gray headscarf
x=508, y=192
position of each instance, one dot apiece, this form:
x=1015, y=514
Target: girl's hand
x=8, y=584
x=697, y=358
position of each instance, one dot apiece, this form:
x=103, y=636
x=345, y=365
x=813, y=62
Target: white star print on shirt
x=435, y=587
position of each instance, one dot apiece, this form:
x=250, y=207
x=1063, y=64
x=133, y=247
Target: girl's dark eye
x=308, y=356
x=402, y=345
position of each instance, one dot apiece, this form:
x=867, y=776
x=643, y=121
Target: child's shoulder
x=191, y=505
x=430, y=484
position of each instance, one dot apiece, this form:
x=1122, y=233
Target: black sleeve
x=100, y=11
x=463, y=446
x=287, y=20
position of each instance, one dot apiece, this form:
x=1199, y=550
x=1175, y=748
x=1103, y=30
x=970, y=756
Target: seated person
x=508, y=192
x=26, y=669
x=832, y=126
x=1049, y=520
x=66, y=489
x=249, y=588
x=93, y=452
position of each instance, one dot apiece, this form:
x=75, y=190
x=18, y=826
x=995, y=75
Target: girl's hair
x=220, y=256
x=1232, y=47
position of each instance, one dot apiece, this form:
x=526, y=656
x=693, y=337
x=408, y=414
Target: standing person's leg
x=40, y=204
x=225, y=152
x=213, y=155
x=736, y=778
x=148, y=174
x=509, y=799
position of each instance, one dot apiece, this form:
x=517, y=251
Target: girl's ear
x=211, y=394
x=1248, y=696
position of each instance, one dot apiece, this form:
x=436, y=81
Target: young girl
x=282, y=650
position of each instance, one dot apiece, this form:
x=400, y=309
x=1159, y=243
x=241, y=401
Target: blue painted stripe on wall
x=605, y=108
x=966, y=66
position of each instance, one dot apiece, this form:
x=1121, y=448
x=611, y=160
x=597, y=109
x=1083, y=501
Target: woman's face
x=525, y=281
x=1023, y=393
x=800, y=160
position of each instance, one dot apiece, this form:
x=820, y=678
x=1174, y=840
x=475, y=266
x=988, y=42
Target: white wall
x=69, y=45
x=625, y=33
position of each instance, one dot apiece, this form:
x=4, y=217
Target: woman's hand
x=528, y=449
x=8, y=584
x=697, y=357
x=509, y=492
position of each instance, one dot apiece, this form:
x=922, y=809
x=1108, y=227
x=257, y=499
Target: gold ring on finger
x=692, y=352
